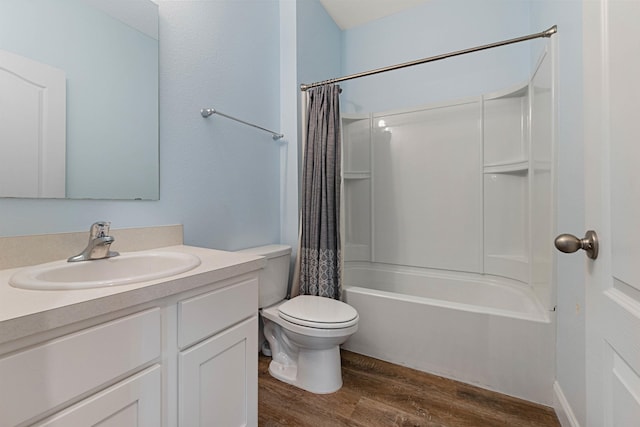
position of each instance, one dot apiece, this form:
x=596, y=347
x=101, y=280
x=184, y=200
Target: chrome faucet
x=99, y=244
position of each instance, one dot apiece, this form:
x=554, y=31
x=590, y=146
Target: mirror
x=79, y=99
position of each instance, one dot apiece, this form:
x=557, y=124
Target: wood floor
x=377, y=393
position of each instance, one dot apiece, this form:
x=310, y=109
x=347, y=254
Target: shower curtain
x=318, y=262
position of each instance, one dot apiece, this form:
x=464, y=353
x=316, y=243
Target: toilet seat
x=318, y=312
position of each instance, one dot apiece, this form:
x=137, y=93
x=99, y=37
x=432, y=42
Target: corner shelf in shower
x=517, y=167
x=356, y=175
x=506, y=182
x=356, y=138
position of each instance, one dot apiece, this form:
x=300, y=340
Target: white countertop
x=25, y=312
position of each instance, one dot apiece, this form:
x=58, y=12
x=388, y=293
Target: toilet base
x=317, y=371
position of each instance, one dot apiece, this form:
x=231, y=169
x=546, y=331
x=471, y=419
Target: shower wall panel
x=542, y=196
x=429, y=219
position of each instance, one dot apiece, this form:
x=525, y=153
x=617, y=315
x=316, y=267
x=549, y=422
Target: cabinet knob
x=569, y=243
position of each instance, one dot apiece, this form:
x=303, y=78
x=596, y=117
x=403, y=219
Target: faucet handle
x=99, y=229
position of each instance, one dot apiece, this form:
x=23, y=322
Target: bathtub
x=481, y=330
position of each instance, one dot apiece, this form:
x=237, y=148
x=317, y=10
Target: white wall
x=218, y=178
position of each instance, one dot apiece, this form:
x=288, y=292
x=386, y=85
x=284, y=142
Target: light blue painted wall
x=433, y=28
x=570, y=346
x=311, y=46
x=319, y=43
x=224, y=177
x=218, y=178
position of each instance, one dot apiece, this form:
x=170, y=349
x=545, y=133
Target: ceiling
x=351, y=13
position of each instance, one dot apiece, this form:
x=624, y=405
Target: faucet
x=99, y=244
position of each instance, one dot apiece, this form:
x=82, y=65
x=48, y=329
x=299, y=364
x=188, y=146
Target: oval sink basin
x=133, y=267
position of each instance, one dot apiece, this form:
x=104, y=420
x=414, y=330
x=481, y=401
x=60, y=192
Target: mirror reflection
x=79, y=99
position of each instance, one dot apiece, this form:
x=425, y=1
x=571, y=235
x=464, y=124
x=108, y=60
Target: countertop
x=26, y=312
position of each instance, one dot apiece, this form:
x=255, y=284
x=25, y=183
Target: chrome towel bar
x=206, y=112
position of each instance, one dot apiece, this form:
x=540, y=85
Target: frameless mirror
x=79, y=99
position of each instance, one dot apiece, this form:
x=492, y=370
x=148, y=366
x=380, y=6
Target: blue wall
x=310, y=51
x=570, y=345
x=319, y=43
x=433, y=28
x=217, y=177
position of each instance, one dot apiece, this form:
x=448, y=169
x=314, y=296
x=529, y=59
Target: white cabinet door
x=218, y=383
x=134, y=402
x=54, y=373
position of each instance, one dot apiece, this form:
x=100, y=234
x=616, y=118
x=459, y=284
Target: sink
x=132, y=267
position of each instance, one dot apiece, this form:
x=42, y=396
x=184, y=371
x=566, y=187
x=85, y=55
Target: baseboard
x=562, y=408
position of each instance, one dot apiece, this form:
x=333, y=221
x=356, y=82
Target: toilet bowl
x=304, y=333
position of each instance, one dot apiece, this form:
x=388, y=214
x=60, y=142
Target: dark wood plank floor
x=377, y=393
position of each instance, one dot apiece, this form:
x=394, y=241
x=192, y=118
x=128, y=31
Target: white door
x=611, y=32
x=32, y=128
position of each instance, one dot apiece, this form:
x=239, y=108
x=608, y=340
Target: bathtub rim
x=542, y=318
x=542, y=314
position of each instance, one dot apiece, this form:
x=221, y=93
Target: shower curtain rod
x=206, y=112
x=547, y=33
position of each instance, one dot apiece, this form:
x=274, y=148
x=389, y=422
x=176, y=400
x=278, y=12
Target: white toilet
x=305, y=332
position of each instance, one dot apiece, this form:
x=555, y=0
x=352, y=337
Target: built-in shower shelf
x=507, y=167
x=356, y=175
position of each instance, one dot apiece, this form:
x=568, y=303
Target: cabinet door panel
x=134, y=402
x=47, y=376
x=218, y=379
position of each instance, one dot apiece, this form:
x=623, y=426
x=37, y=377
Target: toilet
x=305, y=332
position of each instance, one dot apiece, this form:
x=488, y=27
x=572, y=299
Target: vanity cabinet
x=187, y=359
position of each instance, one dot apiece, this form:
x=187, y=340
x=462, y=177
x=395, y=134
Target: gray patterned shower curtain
x=319, y=250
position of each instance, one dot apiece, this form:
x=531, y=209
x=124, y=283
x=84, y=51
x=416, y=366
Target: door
x=32, y=128
x=612, y=177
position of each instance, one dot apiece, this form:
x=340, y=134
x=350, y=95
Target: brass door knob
x=569, y=243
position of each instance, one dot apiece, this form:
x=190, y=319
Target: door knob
x=569, y=243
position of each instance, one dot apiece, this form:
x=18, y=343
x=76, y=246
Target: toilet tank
x=274, y=278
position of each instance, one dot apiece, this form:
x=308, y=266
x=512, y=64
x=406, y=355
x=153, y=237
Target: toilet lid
x=318, y=312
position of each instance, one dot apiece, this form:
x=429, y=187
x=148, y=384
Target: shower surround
x=448, y=229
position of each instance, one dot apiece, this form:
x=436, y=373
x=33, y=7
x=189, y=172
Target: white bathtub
x=480, y=330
